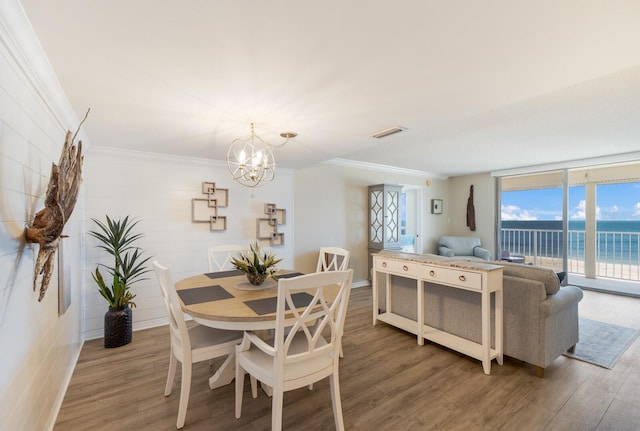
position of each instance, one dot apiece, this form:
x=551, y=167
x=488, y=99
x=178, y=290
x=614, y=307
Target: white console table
x=484, y=278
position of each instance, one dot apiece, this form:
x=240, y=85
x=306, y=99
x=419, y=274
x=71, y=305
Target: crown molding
x=384, y=168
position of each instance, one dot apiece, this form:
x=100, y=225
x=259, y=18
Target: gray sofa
x=463, y=247
x=540, y=316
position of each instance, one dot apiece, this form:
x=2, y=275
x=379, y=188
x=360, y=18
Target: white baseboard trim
x=99, y=333
x=57, y=404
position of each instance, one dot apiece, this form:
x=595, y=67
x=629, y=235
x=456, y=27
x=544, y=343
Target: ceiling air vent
x=387, y=132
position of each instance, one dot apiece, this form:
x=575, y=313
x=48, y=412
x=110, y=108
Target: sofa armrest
x=566, y=297
x=446, y=251
x=524, y=291
x=482, y=253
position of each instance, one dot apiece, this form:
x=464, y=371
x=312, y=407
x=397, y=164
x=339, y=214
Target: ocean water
x=617, y=240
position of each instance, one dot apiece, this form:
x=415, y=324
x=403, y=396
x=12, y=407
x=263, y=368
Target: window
x=593, y=232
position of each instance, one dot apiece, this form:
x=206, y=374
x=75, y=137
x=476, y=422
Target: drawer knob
x=405, y=267
x=432, y=273
x=462, y=278
x=384, y=264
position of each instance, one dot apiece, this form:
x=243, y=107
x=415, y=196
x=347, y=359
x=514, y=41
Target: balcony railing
x=617, y=253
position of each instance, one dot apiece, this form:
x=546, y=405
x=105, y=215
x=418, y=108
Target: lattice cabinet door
x=384, y=216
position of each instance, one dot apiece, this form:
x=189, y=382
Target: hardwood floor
x=387, y=382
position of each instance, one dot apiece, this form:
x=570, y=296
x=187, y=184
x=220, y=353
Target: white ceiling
x=479, y=85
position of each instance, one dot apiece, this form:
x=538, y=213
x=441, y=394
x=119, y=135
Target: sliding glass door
x=532, y=214
x=617, y=238
x=583, y=221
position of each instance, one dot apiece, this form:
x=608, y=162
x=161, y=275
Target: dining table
x=226, y=300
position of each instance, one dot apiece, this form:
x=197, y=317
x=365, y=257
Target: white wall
x=157, y=190
x=484, y=203
x=38, y=347
x=331, y=206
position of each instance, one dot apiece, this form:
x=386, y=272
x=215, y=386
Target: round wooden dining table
x=226, y=300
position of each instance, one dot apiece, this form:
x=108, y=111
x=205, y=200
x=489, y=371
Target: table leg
x=420, y=311
x=486, y=331
x=225, y=374
x=499, y=312
x=267, y=389
x=374, y=291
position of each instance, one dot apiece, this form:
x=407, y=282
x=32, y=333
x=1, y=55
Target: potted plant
x=118, y=240
x=256, y=264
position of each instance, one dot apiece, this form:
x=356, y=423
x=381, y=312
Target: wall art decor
x=205, y=210
x=471, y=211
x=59, y=202
x=267, y=227
x=436, y=206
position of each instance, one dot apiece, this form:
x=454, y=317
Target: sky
x=613, y=202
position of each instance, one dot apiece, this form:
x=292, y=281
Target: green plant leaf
x=256, y=261
x=118, y=239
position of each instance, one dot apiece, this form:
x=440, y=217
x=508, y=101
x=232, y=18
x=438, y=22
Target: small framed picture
x=436, y=206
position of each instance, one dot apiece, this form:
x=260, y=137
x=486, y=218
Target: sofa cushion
x=545, y=275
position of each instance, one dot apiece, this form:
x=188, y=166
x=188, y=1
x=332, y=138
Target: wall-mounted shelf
x=205, y=210
x=267, y=227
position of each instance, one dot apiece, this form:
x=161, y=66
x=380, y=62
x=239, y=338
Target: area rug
x=602, y=343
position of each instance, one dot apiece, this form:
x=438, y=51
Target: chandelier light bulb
x=257, y=159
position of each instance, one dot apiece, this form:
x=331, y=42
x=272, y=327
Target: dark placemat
x=268, y=305
x=293, y=274
x=197, y=295
x=222, y=274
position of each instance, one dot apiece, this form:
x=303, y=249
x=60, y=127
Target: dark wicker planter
x=117, y=327
x=256, y=279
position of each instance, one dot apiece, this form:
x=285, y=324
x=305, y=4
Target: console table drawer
x=465, y=279
x=397, y=267
x=451, y=277
x=434, y=274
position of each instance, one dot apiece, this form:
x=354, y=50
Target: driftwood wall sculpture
x=62, y=193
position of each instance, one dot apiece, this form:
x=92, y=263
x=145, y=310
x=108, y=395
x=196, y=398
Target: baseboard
x=57, y=405
x=153, y=323
x=363, y=283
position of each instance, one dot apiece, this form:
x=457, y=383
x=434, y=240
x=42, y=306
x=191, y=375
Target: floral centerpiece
x=256, y=264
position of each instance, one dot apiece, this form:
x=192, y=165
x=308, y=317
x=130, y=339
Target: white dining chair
x=220, y=256
x=302, y=355
x=189, y=345
x=333, y=259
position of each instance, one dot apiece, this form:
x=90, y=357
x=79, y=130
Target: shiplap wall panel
x=15, y=208
x=39, y=347
x=157, y=190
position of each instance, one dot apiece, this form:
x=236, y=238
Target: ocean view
x=617, y=240
x=602, y=225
